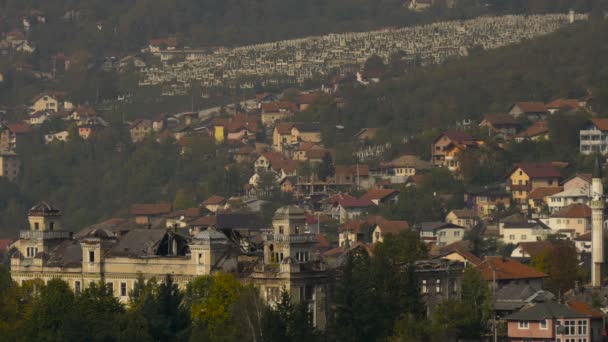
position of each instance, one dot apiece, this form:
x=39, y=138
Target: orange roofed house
x=594, y=137
x=525, y=177
x=447, y=146
x=289, y=134
x=503, y=271
x=503, y=126
x=533, y=111
x=147, y=213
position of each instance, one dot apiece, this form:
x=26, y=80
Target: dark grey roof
x=138, y=242
x=66, y=254
x=432, y=226
x=116, y=226
x=545, y=310
x=521, y=292
x=237, y=221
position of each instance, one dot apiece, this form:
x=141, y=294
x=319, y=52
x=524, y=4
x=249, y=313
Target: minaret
x=597, y=225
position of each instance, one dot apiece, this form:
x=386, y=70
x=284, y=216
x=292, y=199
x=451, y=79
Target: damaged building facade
x=116, y=252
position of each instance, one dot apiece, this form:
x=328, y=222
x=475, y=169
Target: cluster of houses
x=294, y=61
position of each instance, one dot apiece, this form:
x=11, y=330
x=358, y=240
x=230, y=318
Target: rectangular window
x=524, y=237
x=423, y=287
x=511, y=237
x=91, y=256
x=110, y=287
x=77, y=287
x=523, y=324
x=582, y=327
x=438, y=286
x=457, y=233
x=570, y=326
x=123, y=289
x=543, y=324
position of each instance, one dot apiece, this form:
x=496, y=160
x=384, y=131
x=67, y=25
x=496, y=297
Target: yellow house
x=219, y=134
x=50, y=102
x=44, y=102
x=117, y=251
x=287, y=134
x=539, y=198
x=525, y=177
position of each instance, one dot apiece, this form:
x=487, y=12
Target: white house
x=575, y=217
x=441, y=233
x=514, y=232
x=577, y=189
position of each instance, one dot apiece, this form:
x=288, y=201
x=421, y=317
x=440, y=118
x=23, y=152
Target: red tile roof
x=273, y=107
x=575, y=210
x=537, y=170
x=538, y=128
x=284, y=128
x=470, y=257
x=145, y=209
x=378, y=194
x=563, y=104
x=19, y=128
x=322, y=241
x=600, y=123
x=393, y=227
x=531, y=107
x=214, y=200
x=507, y=269
x=456, y=136
x=335, y=199
x=542, y=192
x=498, y=119
x=585, y=309
x=279, y=161
x=356, y=225
x=356, y=203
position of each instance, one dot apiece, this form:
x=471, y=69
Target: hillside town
x=362, y=186
x=335, y=209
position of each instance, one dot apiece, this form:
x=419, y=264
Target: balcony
x=44, y=235
x=291, y=238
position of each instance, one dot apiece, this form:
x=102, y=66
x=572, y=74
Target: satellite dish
x=181, y=218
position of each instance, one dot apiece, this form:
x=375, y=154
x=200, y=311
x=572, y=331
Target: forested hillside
x=569, y=63
x=128, y=24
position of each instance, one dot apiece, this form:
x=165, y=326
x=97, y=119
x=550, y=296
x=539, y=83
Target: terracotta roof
x=575, y=210
x=378, y=194
x=456, y=136
x=537, y=170
x=600, y=123
x=335, y=199
x=284, y=128
x=5, y=243
x=563, y=104
x=498, y=119
x=214, y=200
x=167, y=41
x=393, y=227
x=584, y=237
x=150, y=209
x=279, y=161
x=19, y=128
x=585, y=309
x=356, y=203
x=537, y=128
x=277, y=106
x=544, y=191
x=507, y=269
x=530, y=107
